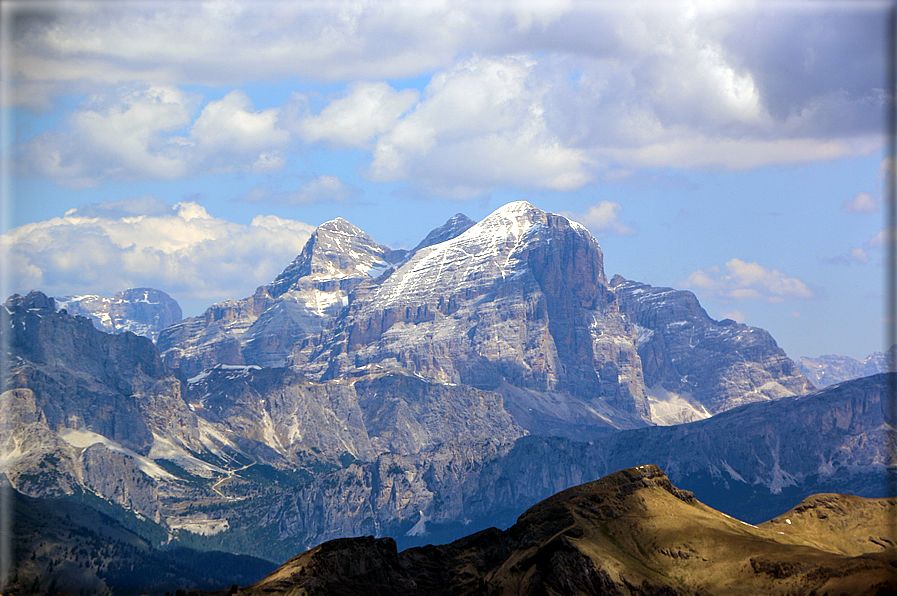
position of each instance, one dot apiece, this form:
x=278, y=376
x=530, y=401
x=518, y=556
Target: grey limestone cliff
x=695, y=366
x=263, y=328
x=517, y=303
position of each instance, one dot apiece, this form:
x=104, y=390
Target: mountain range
x=832, y=369
x=631, y=532
x=419, y=394
x=517, y=304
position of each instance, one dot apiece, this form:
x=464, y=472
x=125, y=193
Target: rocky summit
x=694, y=366
x=631, y=532
x=517, y=303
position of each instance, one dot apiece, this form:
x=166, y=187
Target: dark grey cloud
x=828, y=60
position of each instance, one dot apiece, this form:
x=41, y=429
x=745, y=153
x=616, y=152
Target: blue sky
x=732, y=149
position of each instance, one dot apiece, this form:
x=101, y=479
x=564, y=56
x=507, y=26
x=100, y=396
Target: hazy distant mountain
x=830, y=369
x=631, y=532
x=143, y=311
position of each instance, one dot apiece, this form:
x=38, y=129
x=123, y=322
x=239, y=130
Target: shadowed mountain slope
x=631, y=532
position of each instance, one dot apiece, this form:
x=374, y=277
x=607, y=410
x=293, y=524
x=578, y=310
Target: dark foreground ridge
x=631, y=532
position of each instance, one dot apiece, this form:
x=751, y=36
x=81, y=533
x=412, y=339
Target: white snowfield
x=486, y=252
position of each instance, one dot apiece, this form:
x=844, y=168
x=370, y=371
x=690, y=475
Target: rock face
x=84, y=408
x=629, y=532
x=93, y=413
x=299, y=303
x=143, y=311
x=831, y=369
x=79, y=378
x=455, y=226
x=694, y=366
x=267, y=461
x=517, y=303
x=377, y=413
x=751, y=462
x=757, y=458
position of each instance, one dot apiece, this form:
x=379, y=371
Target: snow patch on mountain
x=669, y=408
x=85, y=438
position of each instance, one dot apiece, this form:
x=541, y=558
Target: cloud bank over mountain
x=145, y=242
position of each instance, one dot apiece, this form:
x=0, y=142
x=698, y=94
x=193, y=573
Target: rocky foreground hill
x=631, y=532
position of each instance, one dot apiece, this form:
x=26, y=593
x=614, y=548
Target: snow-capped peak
x=336, y=250
x=487, y=251
x=341, y=226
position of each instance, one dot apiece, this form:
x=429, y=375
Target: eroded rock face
x=516, y=303
x=378, y=451
x=112, y=385
x=143, y=311
x=309, y=422
x=455, y=226
x=695, y=366
x=263, y=328
x=84, y=408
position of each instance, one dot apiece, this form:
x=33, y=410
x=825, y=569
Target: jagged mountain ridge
x=144, y=311
x=629, y=532
x=832, y=369
x=262, y=328
x=694, y=366
x=96, y=413
x=240, y=451
x=517, y=303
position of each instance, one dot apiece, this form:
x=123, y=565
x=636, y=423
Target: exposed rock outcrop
x=241, y=451
x=694, y=366
x=263, y=328
x=517, y=303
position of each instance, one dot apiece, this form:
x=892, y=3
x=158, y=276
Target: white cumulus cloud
x=862, y=202
x=603, y=218
x=367, y=110
x=156, y=133
x=480, y=124
x=743, y=280
x=104, y=248
x=529, y=94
